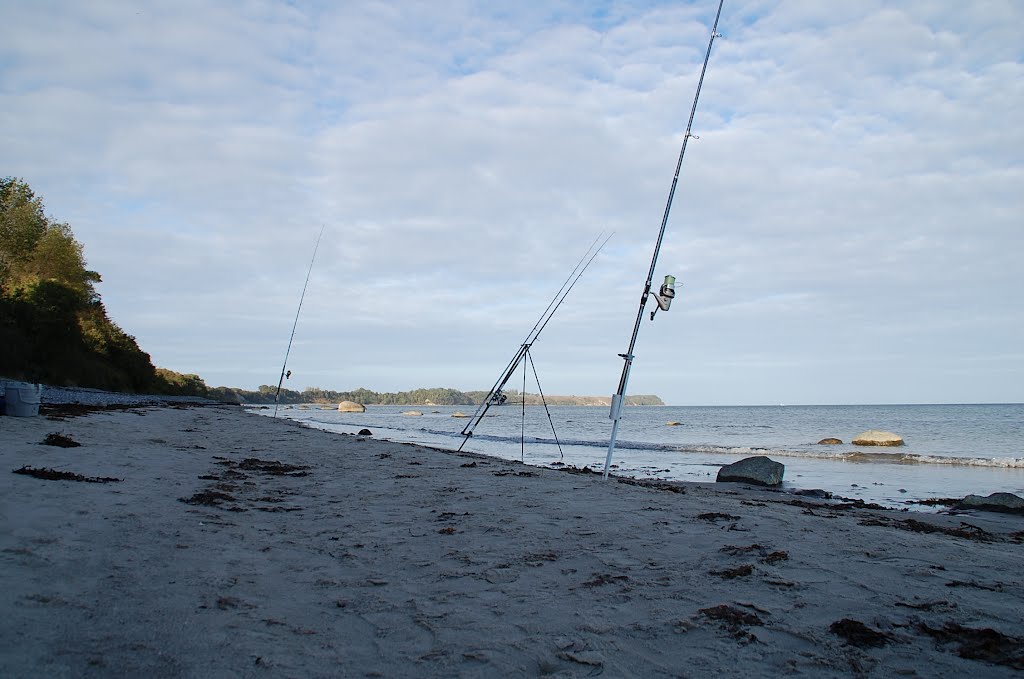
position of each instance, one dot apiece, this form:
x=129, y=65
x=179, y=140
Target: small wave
x=855, y=457
x=874, y=458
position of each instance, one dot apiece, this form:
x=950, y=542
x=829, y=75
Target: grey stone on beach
x=996, y=502
x=873, y=437
x=351, y=407
x=759, y=470
x=814, y=492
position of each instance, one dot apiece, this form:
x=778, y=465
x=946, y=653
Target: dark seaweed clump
x=55, y=475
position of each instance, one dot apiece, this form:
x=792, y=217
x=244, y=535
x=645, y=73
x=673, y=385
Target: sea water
x=950, y=450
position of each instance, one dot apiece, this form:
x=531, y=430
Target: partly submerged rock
x=814, y=492
x=365, y=432
x=351, y=407
x=673, y=423
x=1007, y=503
x=878, y=438
x=413, y=413
x=459, y=413
x=759, y=470
x=830, y=442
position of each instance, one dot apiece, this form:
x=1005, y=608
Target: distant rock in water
x=413, y=413
x=350, y=407
x=673, y=424
x=1008, y=503
x=459, y=413
x=365, y=432
x=759, y=470
x=829, y=442
x=878, y=438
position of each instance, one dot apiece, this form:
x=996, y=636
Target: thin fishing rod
x=619, y=397
x=534, y=334
x=277, y=396
x=596, y=252
x=564, y=283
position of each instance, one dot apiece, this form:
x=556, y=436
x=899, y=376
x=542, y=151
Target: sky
x=846, y=228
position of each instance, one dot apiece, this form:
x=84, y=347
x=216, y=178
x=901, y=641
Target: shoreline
x=238, y=545
x=897, y=478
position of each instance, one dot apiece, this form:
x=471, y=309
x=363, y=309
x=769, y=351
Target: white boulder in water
x=874, y=437
x=413, y=413
x=351, y=407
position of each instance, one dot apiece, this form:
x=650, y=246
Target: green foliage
x=177, y=384
x=53, y=326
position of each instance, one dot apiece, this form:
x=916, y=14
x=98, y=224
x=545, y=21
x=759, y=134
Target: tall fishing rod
x=531, y=337
x=284, y=366
x=667, y=293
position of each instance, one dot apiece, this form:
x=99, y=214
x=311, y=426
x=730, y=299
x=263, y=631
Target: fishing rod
x=277, y=395
x=667, y=292
x=524, y=349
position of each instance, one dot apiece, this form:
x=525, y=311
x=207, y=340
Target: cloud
x=845, y=228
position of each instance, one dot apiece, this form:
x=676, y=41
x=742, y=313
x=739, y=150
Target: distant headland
x=438, y=396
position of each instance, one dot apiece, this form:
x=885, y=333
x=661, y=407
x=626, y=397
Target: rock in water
x=350, y=407
x=1007, y=503
x=878, y=438
x=759, y=470
x=365, y=432
x=459, y=413
x=829, y=442
x=413, y=413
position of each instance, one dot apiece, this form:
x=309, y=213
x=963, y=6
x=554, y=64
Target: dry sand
x=355, y=558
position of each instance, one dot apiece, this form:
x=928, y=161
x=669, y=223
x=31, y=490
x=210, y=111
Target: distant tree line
x=438, y=396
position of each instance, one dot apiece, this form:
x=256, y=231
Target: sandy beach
x=227, y=544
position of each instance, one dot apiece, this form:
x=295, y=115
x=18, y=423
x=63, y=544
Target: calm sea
x=950, y=451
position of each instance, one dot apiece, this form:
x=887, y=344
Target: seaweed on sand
x=856, y=633
x=984, y=644
x=210, y=498
x=55, y=475
x=273, y=467
x=60, y=441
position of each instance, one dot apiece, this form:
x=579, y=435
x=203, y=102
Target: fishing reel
x=665, y=296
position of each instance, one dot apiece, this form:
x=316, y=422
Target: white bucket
x=22, y=399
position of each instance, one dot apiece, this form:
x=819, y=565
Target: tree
x=53, y=325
